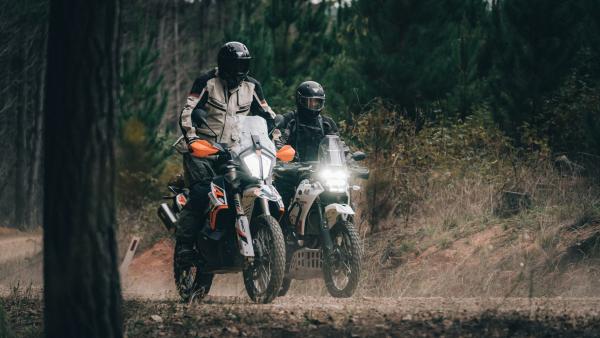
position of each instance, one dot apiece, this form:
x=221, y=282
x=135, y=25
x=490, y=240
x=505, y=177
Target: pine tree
x=142, y=102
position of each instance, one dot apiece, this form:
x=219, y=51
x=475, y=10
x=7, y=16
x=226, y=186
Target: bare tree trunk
x=34, y=193
x=178, y=102
x=81, y=283
x=20, y=163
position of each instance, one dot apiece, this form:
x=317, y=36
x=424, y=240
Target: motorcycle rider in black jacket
x=303, y=129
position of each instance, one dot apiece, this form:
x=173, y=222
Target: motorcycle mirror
x=286, y=153
x=359, y=156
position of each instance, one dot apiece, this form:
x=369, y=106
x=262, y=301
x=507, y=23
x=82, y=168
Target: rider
x=222, y=93
x=304, y=129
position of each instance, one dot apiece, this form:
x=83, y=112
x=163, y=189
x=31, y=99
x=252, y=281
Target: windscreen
x=248, y=126
x=331, y=151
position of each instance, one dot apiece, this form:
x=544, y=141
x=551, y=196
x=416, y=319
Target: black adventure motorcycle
x=241, y=232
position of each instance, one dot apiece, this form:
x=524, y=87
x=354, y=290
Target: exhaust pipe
x=167, y=217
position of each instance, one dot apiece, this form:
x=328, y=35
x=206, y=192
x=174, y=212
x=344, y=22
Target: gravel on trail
x=330, y=317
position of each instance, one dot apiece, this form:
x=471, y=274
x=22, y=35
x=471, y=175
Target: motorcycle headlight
x=335, y=180
x=253, y=163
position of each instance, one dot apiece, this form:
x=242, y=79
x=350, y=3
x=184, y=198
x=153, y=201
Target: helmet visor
x=236, y=66
x=312, y=103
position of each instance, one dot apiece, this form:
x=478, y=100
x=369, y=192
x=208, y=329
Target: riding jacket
x=210, y=93
x=305, y=135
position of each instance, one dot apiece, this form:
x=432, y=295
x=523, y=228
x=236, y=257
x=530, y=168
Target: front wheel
x=341, y=270
x=263, y=277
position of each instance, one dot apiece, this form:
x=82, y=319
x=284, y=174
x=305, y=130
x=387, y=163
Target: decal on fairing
x=242, y=227
x=306, y=193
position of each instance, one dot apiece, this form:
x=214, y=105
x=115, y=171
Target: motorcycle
x=321, y=240
x=240, y=232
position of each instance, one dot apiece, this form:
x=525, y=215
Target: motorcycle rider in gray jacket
x=222, y=93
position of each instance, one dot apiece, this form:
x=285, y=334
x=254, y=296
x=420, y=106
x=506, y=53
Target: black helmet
x=234, y=62
x=310, y=99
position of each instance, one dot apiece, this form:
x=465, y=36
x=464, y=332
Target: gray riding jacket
x=210, y=93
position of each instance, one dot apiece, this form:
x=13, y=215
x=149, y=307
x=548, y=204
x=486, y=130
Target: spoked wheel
x=264, y=276
x=191, y=283
x=342, y=267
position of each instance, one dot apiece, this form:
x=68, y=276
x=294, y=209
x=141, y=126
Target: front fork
x=326, y=244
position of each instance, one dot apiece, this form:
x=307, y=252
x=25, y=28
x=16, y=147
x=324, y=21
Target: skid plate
x=306, y=264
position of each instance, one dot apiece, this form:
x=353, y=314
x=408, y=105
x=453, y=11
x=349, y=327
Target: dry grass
x=439, y=216
x=461, y=248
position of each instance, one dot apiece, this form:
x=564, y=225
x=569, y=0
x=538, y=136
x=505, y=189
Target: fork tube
x=265, y=205
x=325, y=235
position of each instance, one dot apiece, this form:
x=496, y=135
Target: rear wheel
x=342, y=267
x=191, y=283
x=264, y=276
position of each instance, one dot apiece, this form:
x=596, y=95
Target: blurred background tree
x=142, y=103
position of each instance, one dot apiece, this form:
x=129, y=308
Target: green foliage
x=535, y=43
x=294, y=41
x=408, y=162
x=433, y=59
x=142, y=147
x=422, y=54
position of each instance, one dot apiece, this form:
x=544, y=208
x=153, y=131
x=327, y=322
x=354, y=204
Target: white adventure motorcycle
x=321, y=240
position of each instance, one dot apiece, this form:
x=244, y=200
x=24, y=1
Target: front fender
x=271, y=194
x=335, y=211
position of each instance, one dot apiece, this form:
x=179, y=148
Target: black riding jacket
x=305, y=135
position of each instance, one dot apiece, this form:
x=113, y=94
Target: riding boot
x=186, y=255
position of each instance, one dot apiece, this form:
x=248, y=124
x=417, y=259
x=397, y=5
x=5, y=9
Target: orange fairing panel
x=286, y=153
x=203, y=148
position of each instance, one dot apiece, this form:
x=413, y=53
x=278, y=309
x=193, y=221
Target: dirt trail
x=20, y=259
x=17, y=247
x=356, y=317
x=152, y=309
x=150, y=276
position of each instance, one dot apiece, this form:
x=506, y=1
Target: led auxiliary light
x=335, y=180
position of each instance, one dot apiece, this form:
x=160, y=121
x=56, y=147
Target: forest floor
x=329, y=317
x=490, y=279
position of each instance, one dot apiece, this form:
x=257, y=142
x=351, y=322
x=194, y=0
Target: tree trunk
x=81, y=283
x=172, y=126
x=20, y=163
